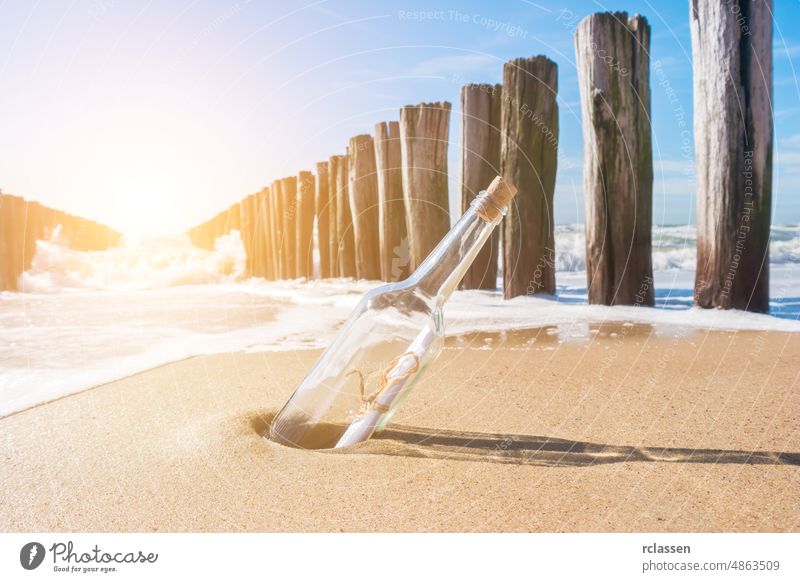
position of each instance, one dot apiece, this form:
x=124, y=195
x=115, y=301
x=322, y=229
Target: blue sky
x=154, y=116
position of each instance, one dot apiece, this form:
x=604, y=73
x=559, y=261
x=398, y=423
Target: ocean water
x=85, y=318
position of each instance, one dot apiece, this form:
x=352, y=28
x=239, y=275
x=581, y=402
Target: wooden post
x=613, y=60
x=258, y=242
x=345, y=256
x=733, y=128
x=289, y=219
x=208, y=233
x=79, y=232
x=276, y=230
x=34, y=229
x=333, y=230
x=265, y=233
x=255, y=243
x=260, y=261
x=333, y=239
x=529, y=149
x=25, y=239
x=424, y=133
x=213, y=226
x=12, y=221
x=246, y=230
x=7, y=279
x=218, y=228
x=480, y=163
x=364, y=206
x=322, y=205
x=222, y=225
x=304, y=247
x=395, y=253
x=233, y=221
x=6, y=243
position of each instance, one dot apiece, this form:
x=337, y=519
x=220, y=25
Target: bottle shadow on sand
x=520, y=449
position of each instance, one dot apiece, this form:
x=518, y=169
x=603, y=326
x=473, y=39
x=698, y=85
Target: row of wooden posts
x=357, y=203
x=23, y=222
x=379, y=209
x=382, y=207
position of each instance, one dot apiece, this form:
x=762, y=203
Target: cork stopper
x=491, y=204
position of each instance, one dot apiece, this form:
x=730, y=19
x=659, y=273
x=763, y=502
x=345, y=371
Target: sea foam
x=91, y=317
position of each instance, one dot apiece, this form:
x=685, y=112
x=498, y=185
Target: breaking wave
x=673, y=247
x=170, y=261
x=151, y=263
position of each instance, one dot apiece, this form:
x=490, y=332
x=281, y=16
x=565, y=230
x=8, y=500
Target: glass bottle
x=395, y=331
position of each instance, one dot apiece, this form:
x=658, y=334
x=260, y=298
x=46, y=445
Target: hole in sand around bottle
x=324, y=436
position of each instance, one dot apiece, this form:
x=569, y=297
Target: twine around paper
x=371, y=400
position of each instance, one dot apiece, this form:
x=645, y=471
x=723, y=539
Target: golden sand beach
x=617, y=428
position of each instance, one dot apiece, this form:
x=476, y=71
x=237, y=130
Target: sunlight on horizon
x=145, y=190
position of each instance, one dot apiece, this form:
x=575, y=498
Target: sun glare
x=146, y=200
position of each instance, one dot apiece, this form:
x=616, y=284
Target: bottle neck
x=441, y=272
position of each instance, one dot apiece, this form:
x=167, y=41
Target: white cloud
x=674, y=186
x=785, y=50
x=792, y=141
x=672, y=166
x=787, y=162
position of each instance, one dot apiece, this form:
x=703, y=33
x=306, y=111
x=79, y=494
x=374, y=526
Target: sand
x=623, y=428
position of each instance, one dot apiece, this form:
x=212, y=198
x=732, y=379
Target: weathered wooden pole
x=733, y=132
x=395, y=254
x=208, y=232
x=364, y=206
x=276, y=229
x=262, y=268
x=30, y=232
x=20, y=225
x=12, y=240
x=251, y=207
x=305, y=225
x=613, y=60
x=289, y=218
x=223, y=224
x=263, y=264
x=215, y=228
x=272, y=270
x=322, y=205
x=33, y=230
x=246, y=231
x=480, y=163
x=252, y=211
x=258, y=267
x=79, y=233
x=345, y=257
x=529, y=149
x=424, y=134
x=333, y=230
x=233, y=220
x=6, y=243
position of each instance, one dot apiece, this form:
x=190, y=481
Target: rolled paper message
x=397, y=375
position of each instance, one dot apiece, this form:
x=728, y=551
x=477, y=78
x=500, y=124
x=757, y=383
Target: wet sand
x=612, y=428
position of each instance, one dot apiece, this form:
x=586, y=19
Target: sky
x=154, y=116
